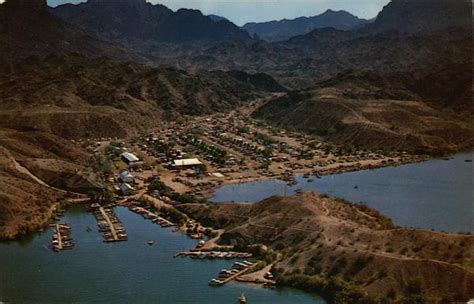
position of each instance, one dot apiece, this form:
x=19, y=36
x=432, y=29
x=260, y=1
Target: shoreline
x=334, y=170
x=339, y=169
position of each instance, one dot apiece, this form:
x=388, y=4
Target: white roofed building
x=129, y=158
x=187, y=162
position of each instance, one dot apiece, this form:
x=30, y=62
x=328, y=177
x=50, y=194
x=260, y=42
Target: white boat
x=242, y=299
x=215, y=282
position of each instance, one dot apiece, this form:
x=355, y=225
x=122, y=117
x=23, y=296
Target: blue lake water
x=435, y=194
x=126, y=272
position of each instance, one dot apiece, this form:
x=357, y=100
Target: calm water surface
x=126, y=272
x=435, y=194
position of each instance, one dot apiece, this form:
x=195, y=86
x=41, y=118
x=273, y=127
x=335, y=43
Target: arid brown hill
x=36, y=171
x=73, y=96
x=347, y=252
x=371, y=113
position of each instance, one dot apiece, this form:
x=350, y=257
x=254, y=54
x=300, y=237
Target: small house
x=126, y=189
x=126, y=177
x=129, y=158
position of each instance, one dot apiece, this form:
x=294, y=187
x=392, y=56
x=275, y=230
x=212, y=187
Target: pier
x=109, y=224
x=227, y=275
x=152, y=216
x=214, y=254
x=62, y=237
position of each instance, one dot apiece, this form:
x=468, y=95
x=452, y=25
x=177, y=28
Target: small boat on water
x=215, y=282
x=150, y=242
x=242, y=299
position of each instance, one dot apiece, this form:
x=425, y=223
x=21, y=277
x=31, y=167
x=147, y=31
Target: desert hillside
x=321, y=239
x=362, y=114
x=73, y=96
x=38, y=170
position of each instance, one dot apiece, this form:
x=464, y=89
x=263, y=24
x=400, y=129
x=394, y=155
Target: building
x=126, y=177
x=187, y=162
x=129, y=158
x=217, y=174
x=126, y=189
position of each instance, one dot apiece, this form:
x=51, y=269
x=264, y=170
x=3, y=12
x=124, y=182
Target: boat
x=242, y=299
x=150, y=242
x=215, y=282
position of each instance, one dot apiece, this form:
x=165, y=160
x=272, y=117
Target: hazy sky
x=242, y=11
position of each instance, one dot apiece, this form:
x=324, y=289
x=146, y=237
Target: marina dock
x=152, y=216
x=62, y=237
x=109, y=225
x=227, y=275
x=214, y=254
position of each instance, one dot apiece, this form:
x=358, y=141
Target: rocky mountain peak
x=424, y=15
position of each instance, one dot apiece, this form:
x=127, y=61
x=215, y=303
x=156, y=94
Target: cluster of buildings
x=125, y=179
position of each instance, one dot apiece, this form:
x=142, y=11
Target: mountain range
x=374, y=62
x=143, y=26
x=285, y=29
x=434, y=63
x=47, y=62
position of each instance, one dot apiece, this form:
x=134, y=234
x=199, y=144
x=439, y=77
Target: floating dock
x=62, y=237
x=214, y=254
x=152, y=216
x=109, y=225
x=227, y=275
